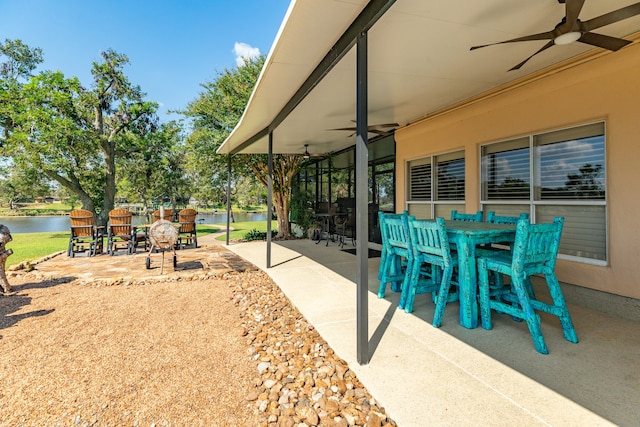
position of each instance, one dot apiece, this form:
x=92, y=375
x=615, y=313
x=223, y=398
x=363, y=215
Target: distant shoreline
x=205, y=212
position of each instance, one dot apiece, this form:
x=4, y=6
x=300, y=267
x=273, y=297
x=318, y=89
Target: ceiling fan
x=308, y=155
x=572, y=29
x=378, y=129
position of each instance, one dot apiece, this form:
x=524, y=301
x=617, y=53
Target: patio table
x=466, y=236
x=326, y=220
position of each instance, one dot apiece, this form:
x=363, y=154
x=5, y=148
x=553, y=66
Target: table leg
x=320, y=232
x=467, y=278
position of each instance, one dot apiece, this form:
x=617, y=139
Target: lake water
x=37, y=224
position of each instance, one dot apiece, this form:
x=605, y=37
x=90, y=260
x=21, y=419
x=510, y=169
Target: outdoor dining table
x=326, y=219
x=466, y=236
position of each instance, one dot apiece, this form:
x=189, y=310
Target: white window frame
x=433, y=203
x=532, y=204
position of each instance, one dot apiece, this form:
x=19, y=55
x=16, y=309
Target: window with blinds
x=506, y=172
x=420, y=182
x=570, y=164
x=559, y=173
x=436, y=184
x=450, y=175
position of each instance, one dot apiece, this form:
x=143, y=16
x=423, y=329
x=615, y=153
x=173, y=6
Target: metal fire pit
x=163, y=236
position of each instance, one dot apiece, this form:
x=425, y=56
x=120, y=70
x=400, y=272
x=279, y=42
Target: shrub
x=258, y=235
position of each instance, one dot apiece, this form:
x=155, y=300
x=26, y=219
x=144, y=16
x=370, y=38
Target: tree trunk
x=281, y=205
x=74, y=187
x=109, y=150
x=284, y=169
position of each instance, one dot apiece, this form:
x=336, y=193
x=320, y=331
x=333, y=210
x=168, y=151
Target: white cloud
x=244, y=51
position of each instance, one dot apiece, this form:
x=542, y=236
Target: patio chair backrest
x=82, y=222
x=393, y=231
x=476, y=217
x=120, y=222
x=492, y=218
x=429, y=241
x=168, y=215
x=187, y=219
x=536, y=246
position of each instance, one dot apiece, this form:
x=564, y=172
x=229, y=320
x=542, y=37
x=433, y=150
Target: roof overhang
x=419, y=63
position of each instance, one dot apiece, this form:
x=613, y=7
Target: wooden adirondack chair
x=187, y=235
x=168, y=215
x=85, y=235
x=121, y=232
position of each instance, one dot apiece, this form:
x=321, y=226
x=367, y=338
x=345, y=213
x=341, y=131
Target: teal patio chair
x=430, y=246
x=534, y=252
x=384, y=236
x=492, y=218
x=476, y=217
x=487, y=250
x=396, y=255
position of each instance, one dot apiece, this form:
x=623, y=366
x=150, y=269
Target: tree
x=215, y=113
x=74, y=136
x=285, y=168
x=20, y=62
x=157, y=169
x=18, y=184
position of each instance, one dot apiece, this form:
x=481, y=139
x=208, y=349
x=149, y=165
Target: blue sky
x=173, y=46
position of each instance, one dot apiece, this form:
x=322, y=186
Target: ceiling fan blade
x=545, y=47
x=611, y=17
x=384, y=125
x=548, y=35
x=376, y=131
x=372, y=128
x=572, y=11
x=379, y=125
x=605, y=42
x=379, y=132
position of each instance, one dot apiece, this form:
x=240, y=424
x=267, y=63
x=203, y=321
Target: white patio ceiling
x=419, y=63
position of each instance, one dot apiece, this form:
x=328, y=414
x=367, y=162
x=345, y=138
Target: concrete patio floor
x=456, y=376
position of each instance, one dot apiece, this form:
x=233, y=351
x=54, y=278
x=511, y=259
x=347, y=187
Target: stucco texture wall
x=606, y=88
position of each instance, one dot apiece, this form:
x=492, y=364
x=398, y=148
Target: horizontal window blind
x=420, y=210
x=506, y=210
x=420, y=182
x=584, y=232
x=559, y=173
x=450, y=180
x=444, y=210
x=506, y=170
x=571, y=169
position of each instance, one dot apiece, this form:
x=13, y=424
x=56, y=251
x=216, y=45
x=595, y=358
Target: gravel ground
x=228, y=351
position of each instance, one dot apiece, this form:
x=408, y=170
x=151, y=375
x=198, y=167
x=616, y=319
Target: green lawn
x=33, y=246
x=35, y=209
x=242, y=228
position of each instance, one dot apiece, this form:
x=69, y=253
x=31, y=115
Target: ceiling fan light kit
x=307, y=155
x=571, y=29
x=567, y=38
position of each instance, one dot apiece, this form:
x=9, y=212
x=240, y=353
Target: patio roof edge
x=363, y=22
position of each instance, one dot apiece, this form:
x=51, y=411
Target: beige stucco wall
x=606, y=88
